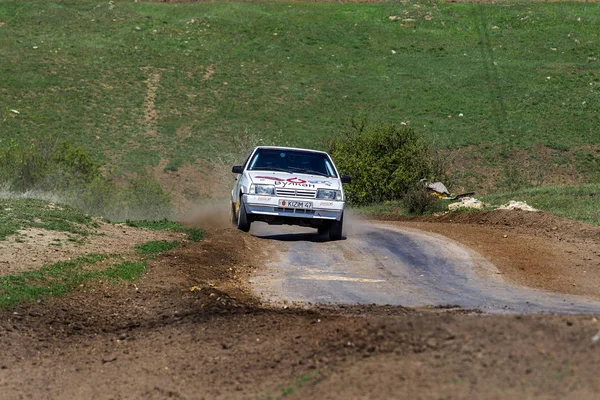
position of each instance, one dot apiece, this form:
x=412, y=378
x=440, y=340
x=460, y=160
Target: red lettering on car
x=296, y=180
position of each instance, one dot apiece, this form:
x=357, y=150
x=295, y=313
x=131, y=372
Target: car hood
x=293, y=180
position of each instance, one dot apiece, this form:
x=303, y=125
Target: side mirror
x=346, y=179
x=237, y=169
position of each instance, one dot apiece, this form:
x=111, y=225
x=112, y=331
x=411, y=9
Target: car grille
x=303, y=193
x=295, y=210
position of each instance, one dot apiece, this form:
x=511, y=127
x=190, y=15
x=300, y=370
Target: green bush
x=384, y=161
x=47, y=165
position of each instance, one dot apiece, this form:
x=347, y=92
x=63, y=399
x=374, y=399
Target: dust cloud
x=208, y=214
x=355, y=224
x=217, y=214
x=31, y=194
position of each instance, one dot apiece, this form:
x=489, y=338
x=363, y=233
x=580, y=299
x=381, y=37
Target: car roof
x=290, y=148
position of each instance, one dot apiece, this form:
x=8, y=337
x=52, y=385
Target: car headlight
x=262, y=190
x=329, y=194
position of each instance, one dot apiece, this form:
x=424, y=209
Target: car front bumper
x=271, y=205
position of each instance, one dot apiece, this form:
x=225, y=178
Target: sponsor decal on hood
x=282, y=179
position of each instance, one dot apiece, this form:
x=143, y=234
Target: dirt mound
x=208, y=274
x=535, y=224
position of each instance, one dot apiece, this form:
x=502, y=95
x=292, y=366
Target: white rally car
x=283, y=185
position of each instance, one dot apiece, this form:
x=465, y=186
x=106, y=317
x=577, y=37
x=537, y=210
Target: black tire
x=233, y=216
x=323, y=229
x=243, y=222
x=335, y=229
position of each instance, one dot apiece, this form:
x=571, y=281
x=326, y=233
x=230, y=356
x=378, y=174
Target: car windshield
x=292, y=161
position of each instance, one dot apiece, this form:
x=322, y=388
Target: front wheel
x=335, y=229
x=243, y=222
x=233, y=216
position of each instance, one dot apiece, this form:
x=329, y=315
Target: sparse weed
x=300, y=382
x=59, y=278
x=174, y=164
x=16, y=214
x=155, y=247
x=52, y=280
x=512, y=178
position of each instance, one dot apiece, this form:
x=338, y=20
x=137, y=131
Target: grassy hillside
x=514, y=86
x=574, y=202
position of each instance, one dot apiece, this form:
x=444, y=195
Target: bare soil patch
x=210, y=70
x=191, y=329
x=33, y=248
x=150, y=113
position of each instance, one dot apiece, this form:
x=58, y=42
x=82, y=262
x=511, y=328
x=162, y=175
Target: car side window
x=254, y=160
x=330, y=169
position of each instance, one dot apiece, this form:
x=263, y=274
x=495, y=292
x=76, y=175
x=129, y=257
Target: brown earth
x=190, y=328
x=34, y=247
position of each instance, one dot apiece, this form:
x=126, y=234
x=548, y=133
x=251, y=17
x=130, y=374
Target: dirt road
x=384, y=264
x=191, y=328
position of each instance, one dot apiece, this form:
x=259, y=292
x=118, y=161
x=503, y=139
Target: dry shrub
x=419, y=200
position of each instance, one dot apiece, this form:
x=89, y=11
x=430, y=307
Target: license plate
x=296, y=204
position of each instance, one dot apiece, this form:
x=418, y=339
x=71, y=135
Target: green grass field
x=146, y=84
x=519, y=73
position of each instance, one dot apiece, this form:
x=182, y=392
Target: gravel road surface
x=382, y=265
